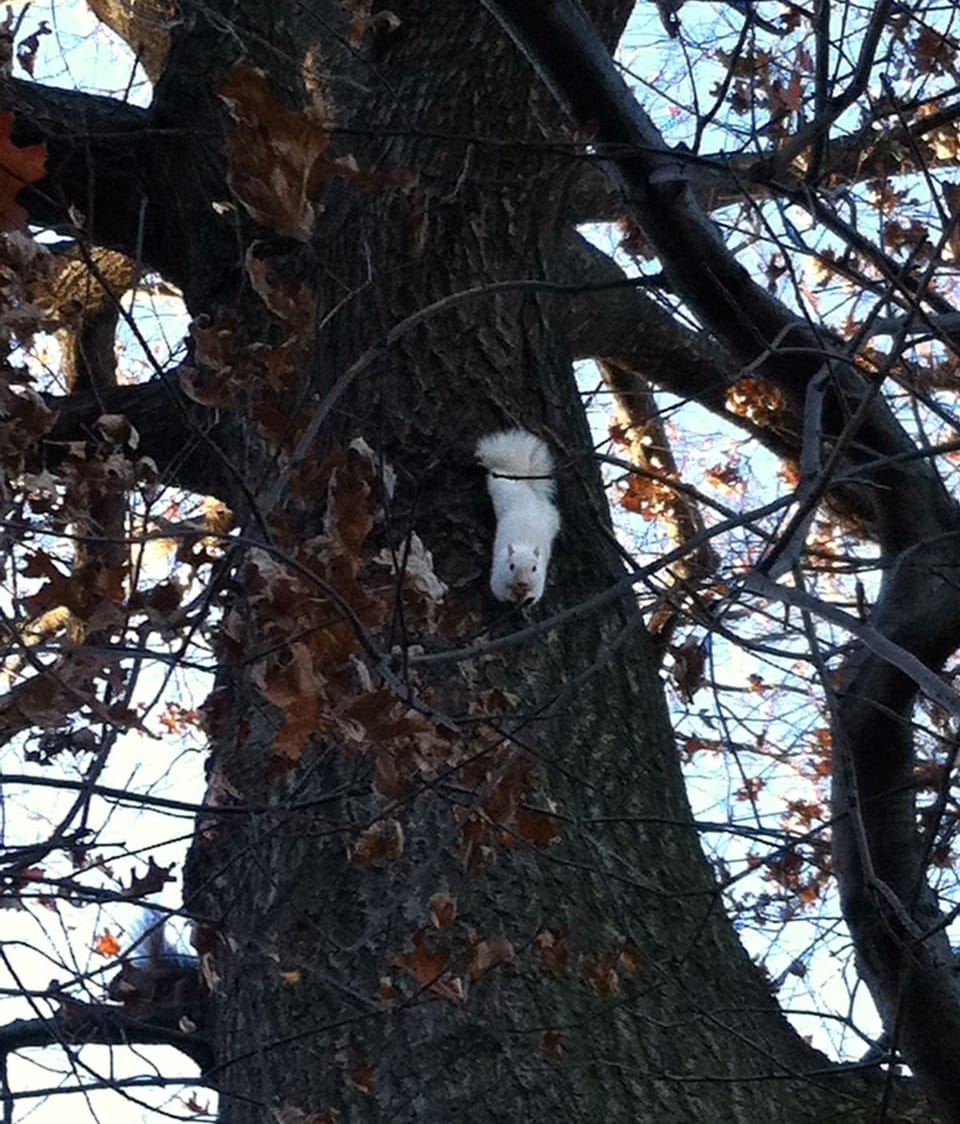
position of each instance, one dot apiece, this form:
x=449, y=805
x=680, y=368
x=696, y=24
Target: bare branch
x=830, y=109
x=721, y=179
x=84, y=1023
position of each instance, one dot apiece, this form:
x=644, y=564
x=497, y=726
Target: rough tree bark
x=590, y=973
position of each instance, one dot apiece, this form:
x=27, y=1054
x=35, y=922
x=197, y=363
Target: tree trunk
x=626, y=995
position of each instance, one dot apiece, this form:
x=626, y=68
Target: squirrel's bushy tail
x=518, y=454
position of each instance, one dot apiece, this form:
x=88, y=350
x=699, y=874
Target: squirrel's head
x=525, y=574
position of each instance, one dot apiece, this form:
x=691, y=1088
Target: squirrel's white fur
x=520, y=479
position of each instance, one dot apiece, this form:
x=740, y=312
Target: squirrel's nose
x=521, y=591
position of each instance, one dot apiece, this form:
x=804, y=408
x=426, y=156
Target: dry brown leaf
x=551, y=946
x=386, y=992
x=362, y=1077
x=389, y=781
x=295, y=305
x=689, y=661
x=553, y=1045
x=631, y=962
x=428, y=969
x=601, y=975
x=380, y=843
x=277, y=156
x=150, y=883
x=223, y=370
x=443, y=910
x=488, y=954
x=536, y=826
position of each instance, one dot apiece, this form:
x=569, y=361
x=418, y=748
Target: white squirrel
x=520, y=480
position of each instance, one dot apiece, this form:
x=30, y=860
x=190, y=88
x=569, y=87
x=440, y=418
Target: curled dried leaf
x=443, y=911
x=380, y=843
x=487, y=954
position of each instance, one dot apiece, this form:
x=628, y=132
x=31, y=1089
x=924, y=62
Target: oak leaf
x=553, y=1045
x=278, y=158
x=429, y=968
x=601, y=975
x=382, y=842
x=551, y=947
x=537, y=826
x=107, y=945
x=294, y=304
x=151, y=882
x=488, y=954
x=362, y=1077
x=276, y=154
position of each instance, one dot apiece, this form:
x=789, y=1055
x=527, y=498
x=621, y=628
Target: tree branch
x=644, y=342
x=82, y=1023
x=184, y=438
x=722, y=180
x=123, y=178
x=98, y=161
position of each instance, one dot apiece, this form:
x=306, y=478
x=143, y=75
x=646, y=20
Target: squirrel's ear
x=510, y=549
x=536, y=552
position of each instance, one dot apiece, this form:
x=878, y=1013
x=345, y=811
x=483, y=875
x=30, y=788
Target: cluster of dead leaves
x=689, y=665
x=68, y=594
x=757, y=400
x=934, y=53
x=27, y=271
x=503, y=816
x=649, y=497
x=307, y=629
x=764, y=81
x=90, y=592
x=727, y=477
x=647, y=491
x=257, y=377
x=804, y=877
x=311, y=618
x=445, y=966
x=45, y=292
x=908, y=236
x=24, y=422
x=442, y=974
x=279, y=158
